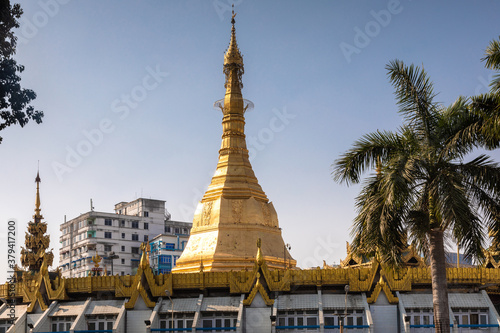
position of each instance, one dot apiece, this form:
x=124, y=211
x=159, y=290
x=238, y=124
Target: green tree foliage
x=492, y=59
x=423, y=187
x=14, y=100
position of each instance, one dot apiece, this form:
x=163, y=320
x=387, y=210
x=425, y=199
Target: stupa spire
x=38, y=215
x=235, y=211
x=234, y=177
x=36, y=241
x=233, y=63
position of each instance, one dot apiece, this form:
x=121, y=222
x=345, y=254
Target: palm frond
x=364, y=155
x=418, y=222
x=458, y=130
x=486, y=108
x=457, y=211
x=493, y=62
x=382, y=206
x=482, y=177
x=415, y=95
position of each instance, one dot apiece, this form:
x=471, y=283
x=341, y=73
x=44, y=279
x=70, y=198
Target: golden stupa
x=234, y=212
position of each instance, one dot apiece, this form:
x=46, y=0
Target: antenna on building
x=91, y=205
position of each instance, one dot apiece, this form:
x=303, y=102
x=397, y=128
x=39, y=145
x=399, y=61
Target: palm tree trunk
x=439, y=283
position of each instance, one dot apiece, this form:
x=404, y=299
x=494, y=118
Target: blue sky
x=128, y=86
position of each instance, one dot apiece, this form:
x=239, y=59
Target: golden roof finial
x=259, y=258
x=233, y=16
x=233, y=59
x=38, y=216
x=96, y=259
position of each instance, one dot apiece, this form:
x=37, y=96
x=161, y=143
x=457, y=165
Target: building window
x=146, y=214
x=108, y=248
x=135, y=224
x=167, y=229
x=218, y=320
x=107, y=234
x=122, y=223
x=60, y=324
x=181, y=320
x=177, y=231
x=146, y=238
x=164, y=259
x=420, y=317
x=169, y=246
x=135, y=237
x=123, y=262
x=471, y=316
x=307, y=317
x=123, y=248
x=123, y=235
x=146, y=225
x=100, y=322
x=135, y=250
x=108, y=222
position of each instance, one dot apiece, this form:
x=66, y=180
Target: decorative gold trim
x=381, y=285
x=258, y=288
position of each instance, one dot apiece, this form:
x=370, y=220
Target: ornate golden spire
x=234, y=177
x=235, y=211
x=233, y=62
x=38, y=215
x=36, y=241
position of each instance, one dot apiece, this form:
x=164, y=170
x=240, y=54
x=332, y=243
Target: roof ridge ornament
x=233, y=16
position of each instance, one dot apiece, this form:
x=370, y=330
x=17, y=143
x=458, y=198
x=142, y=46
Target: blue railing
x=477, y=325
x=189, y=329
x=296, y=327
x=459, y=325
x=347, y=326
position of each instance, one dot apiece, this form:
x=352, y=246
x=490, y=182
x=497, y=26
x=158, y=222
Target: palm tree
x=492, y=59
x=423, y=187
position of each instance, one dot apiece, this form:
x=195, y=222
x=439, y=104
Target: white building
x=116, y=237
